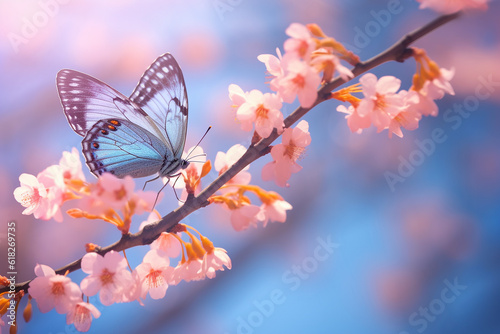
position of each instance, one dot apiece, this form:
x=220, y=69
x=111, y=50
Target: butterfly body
x=137, y=136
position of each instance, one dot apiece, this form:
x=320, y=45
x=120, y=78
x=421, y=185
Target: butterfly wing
x=123, y=148
x=162, y=94
x=86, y=101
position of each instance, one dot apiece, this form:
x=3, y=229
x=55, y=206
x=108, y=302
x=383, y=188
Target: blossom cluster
x=111, y=277
x=296, y=74
x=43, y=195
x=310, y=58
x=115, y=201
x=384, y=107
x=232, y=195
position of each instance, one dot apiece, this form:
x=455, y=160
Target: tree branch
x=397, y=52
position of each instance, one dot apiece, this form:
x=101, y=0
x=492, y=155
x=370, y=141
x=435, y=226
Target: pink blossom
x=192, y=173
x=286, y=154
x=223, y=161
x=263, y=110
x=188, y=271
x=273, y=66
x=273, y=63
x=237, y=95
x=426, y=105
x=168, y=244
x=245, y=216
x=52, y=178
x=452, y=6
x=109, y=275
x=109, y=192
x=113, y=191
x=144, y=201
x=275, y=209
x=155, y=274
x=434, y=90
x=51, y=290
x=381, y=102
x=135, y=291
x=215, y=260
x=301, y=44
x=81, y=316
x=32, y=195
x=355, y=122
x=40, y=199
x=408, y=117
x=301, y=80
x=333, y=62
x=71, y=165
x=440, y=85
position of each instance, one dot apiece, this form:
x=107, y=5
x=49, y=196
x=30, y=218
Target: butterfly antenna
x=187, y=157
x=200, y=162
x=156, y=178
x=198, y=155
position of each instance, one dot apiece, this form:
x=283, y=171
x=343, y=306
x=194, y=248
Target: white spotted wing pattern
x=138, y=136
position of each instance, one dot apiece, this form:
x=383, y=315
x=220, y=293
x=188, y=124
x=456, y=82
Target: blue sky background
x=397, y=249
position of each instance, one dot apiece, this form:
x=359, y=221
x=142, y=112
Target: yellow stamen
x=345, y=94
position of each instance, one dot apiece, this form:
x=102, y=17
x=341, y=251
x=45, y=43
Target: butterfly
x=140, y=135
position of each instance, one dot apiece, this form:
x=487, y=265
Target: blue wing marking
x=123, y=148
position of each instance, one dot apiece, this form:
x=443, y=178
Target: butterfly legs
x=168, y=181
x=173, y=186
x=156, y=178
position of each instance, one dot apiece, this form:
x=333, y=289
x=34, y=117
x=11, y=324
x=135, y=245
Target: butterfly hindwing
x=123, y=148
x=86, y=100
x=162, y=94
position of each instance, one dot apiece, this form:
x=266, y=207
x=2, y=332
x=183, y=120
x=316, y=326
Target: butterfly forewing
x=86, y=100
x=161, y=93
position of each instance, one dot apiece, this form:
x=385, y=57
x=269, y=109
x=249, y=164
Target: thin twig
x=397, y=52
